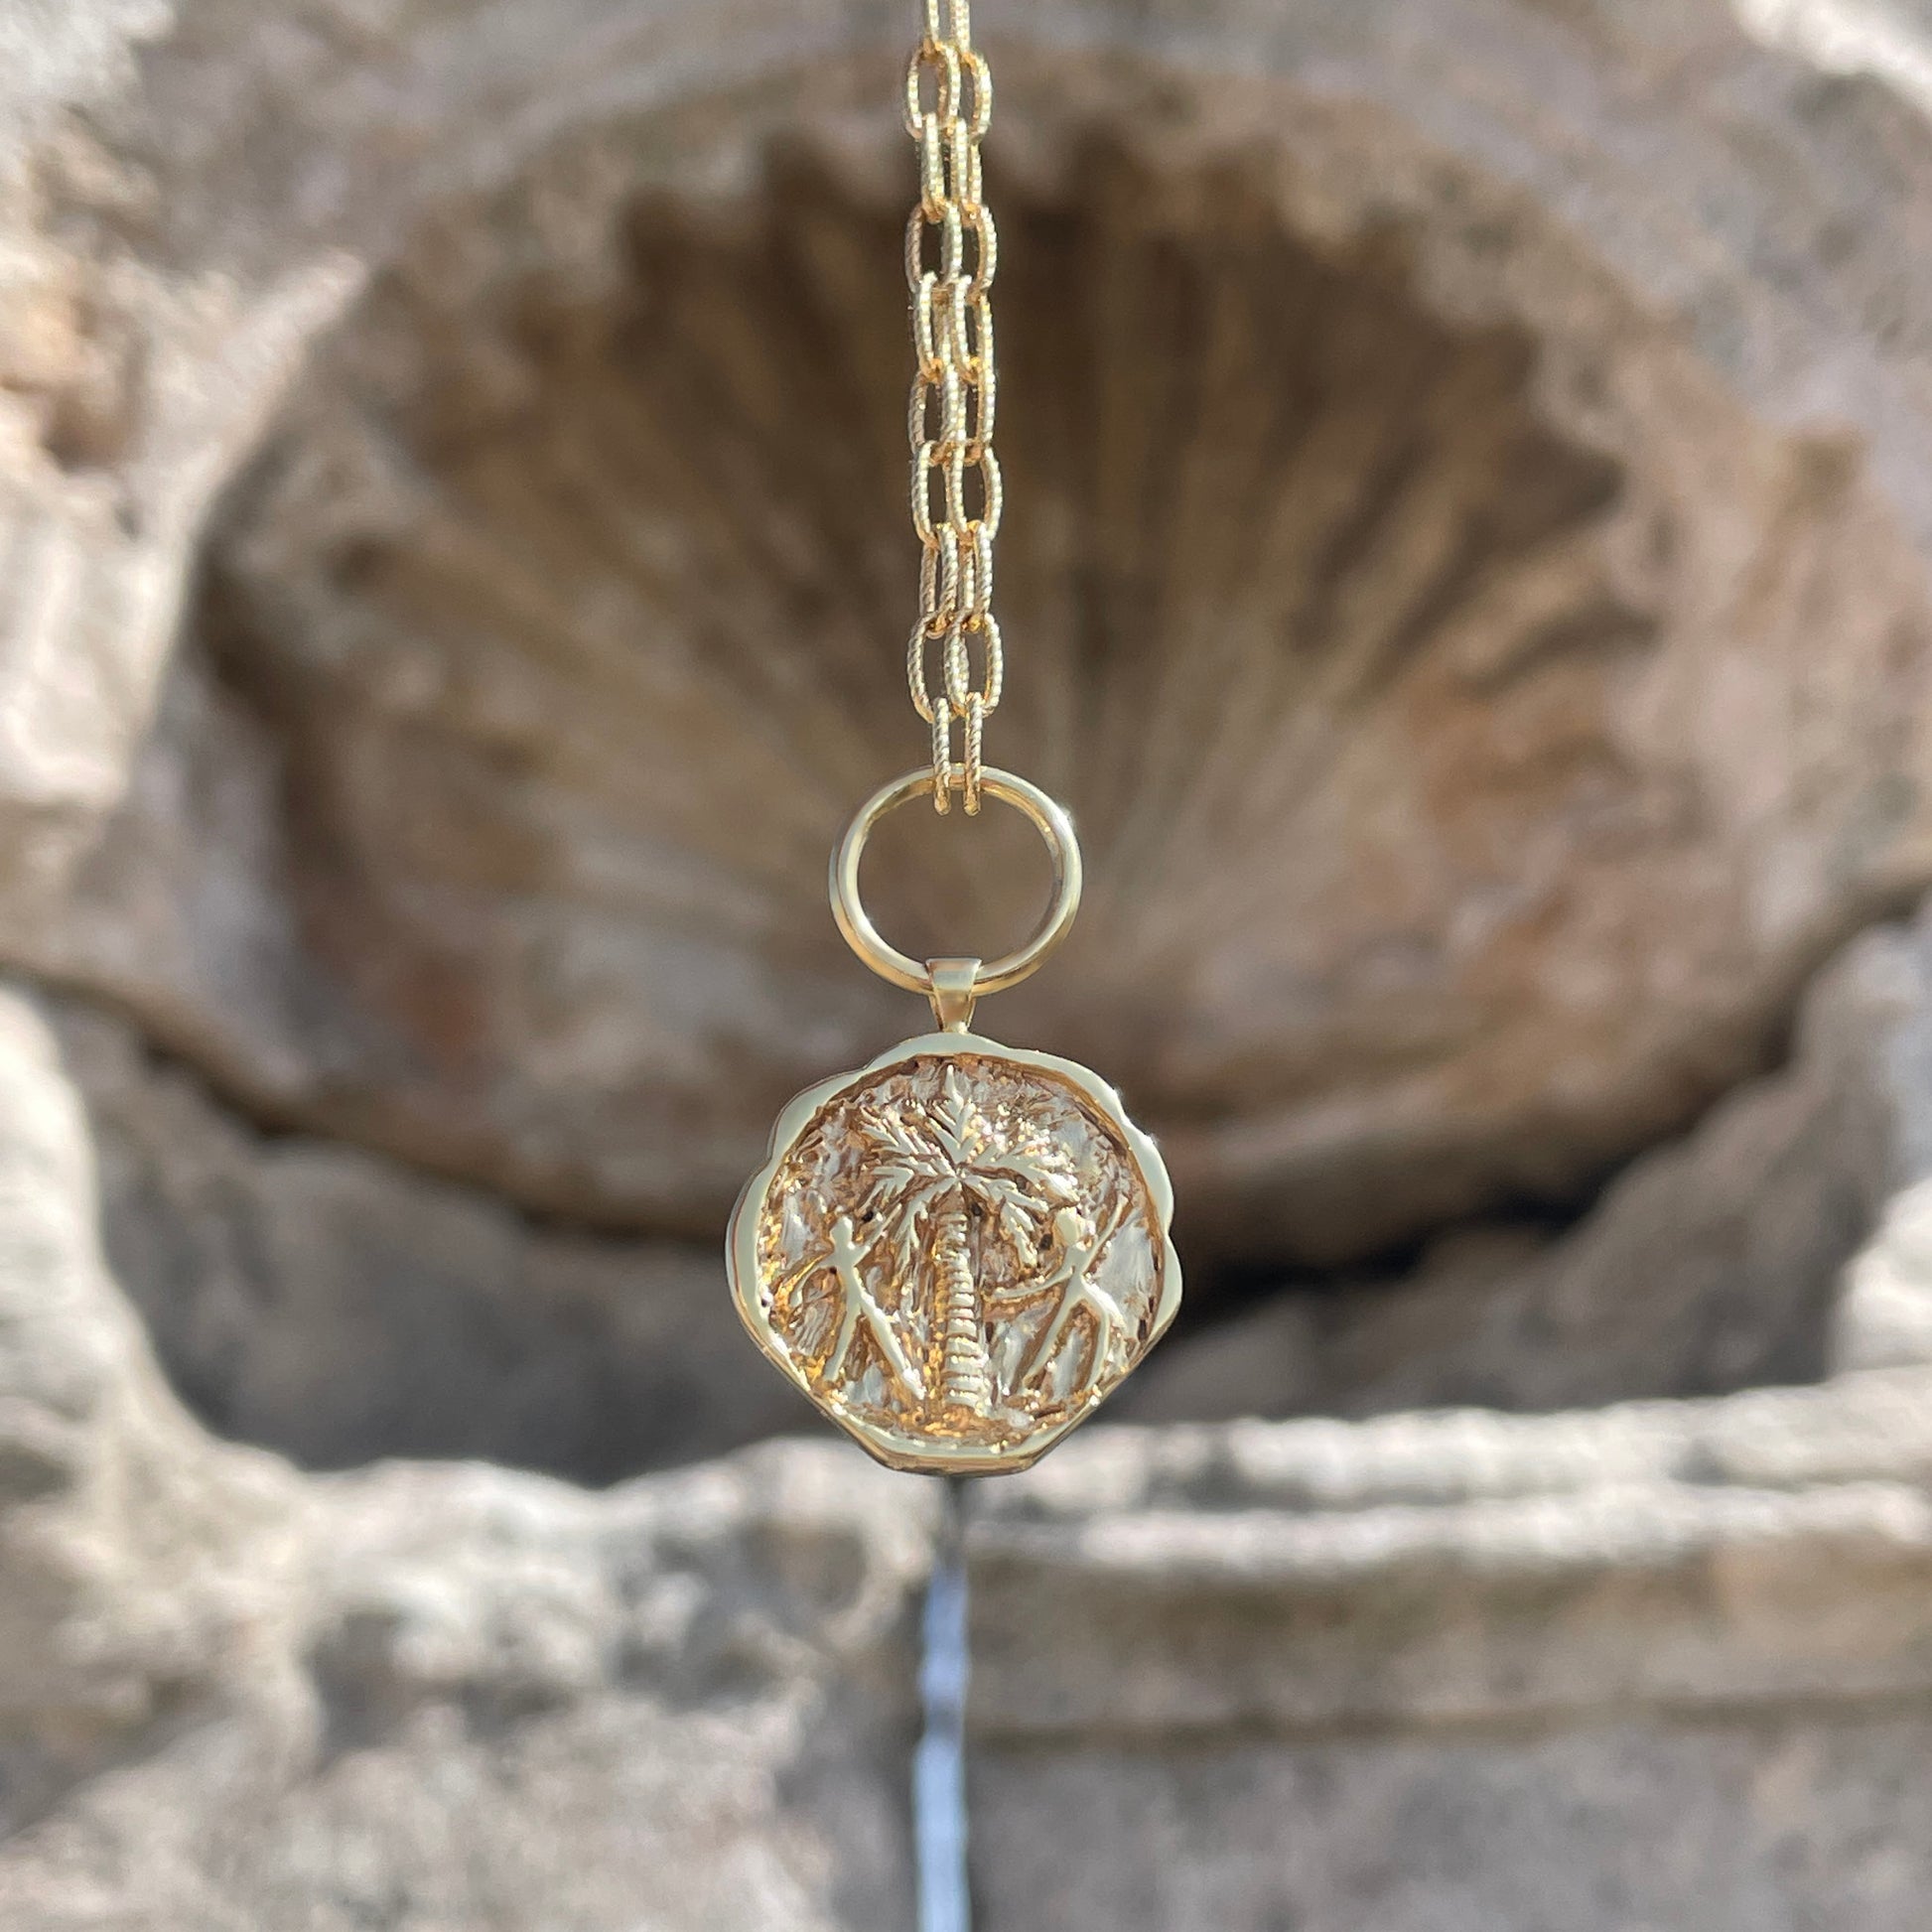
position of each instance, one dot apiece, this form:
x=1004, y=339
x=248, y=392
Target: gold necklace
x=959, y=1251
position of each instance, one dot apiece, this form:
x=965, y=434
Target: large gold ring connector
x=953, y=984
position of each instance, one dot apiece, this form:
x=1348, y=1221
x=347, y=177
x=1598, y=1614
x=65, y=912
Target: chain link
x=951, y=252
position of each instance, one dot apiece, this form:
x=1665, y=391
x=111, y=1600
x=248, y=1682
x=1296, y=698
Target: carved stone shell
x=1462, y=793
x=1485, y=684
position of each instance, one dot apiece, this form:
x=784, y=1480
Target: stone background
x=1467, y=568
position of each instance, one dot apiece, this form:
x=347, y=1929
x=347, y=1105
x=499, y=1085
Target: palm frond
x=1045, y=1167
x=1016, y=1224
x=956, y=1123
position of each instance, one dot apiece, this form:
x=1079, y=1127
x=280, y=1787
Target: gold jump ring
x=1050, y=820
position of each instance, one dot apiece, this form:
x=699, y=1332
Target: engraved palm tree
x=937, y=1172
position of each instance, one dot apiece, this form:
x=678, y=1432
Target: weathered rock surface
x=1766, y=1824
x=1514, y=1556
x=1712, y=1262
x=1416, y=1672
x=132, y=1552
x=507, y=1705
x=235, y=1697
x=329, y=1305
x=1884, y=1315
x=1662, y=1666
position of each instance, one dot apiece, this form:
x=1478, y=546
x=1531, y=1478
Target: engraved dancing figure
x=858, y=1306
x=1079, y=1248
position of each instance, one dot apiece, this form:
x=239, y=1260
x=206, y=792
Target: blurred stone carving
x=335, y=1307
x=1711, y=1263
x=1456, y=612
x=510, y=1698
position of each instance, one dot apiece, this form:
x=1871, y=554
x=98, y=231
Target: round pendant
x=957, y=1252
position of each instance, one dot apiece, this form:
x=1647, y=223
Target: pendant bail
x=953, y=988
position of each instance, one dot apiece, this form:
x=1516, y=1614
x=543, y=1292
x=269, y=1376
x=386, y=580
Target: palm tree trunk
x=966, y=1375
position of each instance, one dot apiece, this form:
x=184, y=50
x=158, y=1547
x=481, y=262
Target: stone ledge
x=1464, y=1568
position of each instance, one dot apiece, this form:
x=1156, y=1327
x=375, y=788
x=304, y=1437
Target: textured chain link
x=951, y=251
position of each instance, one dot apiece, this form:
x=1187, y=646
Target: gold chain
x=949, y=423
